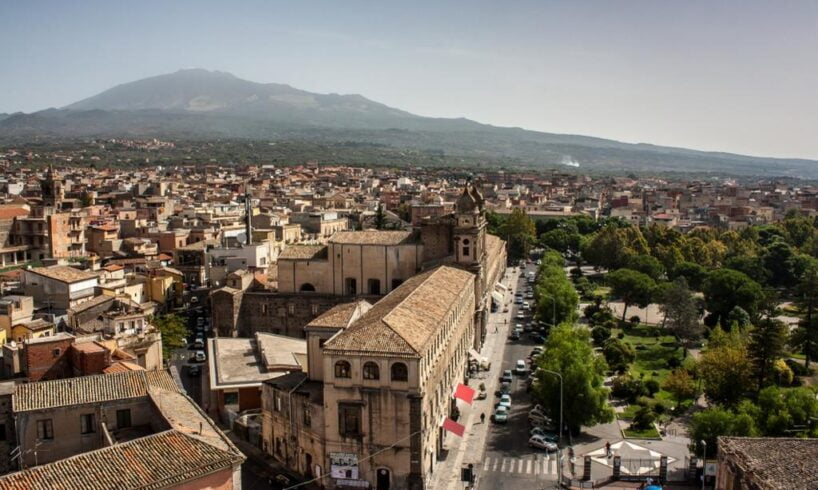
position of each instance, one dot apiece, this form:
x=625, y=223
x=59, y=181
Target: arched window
x=342, y=369
x=371, y=371
x=400, y=372
x=307, y=287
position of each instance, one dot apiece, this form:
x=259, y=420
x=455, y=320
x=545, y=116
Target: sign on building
x=343, y=466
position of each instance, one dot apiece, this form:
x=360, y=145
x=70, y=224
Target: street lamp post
x=704, y=461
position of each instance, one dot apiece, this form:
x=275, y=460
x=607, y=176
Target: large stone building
x=369, y=410
x=369, y=264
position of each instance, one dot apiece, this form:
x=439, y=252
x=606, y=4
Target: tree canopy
x=568, y=351
x=724, y=289
x=632, y=287
x=174, y=332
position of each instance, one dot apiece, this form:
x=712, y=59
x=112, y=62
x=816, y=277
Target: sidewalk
x=472, y=446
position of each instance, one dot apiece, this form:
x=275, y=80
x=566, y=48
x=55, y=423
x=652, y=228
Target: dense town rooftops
x=773, y=462
x=372, y=237
x=404, y=322
x=151, y=462
x=63, y=273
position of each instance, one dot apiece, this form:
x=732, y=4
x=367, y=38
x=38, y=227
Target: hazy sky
x=737, y=76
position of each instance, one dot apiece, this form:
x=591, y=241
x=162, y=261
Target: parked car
x=539, y=442
x=505, y=401
x=537, y=413
x=538, y=419
x=199, y=356
x=520, y=315
x=505, y=387
x=194, y=371
x=198, y=343
x=514, y=335
x=547, y=435
x=500, y=415
x=521, y=368
x=547, y=425
x=537, y=337
x=507, y=376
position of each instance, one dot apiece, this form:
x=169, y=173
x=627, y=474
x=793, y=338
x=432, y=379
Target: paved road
x=509, y=462
x=182, y=359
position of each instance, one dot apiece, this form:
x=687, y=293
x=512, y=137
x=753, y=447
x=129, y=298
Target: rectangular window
x=45, y=430
x=231, y=397
x=87, y=425
x=349, y=420
x=2, y=432
x=307, y=416
x=123, y=418
x=278, y=403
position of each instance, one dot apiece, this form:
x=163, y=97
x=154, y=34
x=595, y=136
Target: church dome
x=466, y=203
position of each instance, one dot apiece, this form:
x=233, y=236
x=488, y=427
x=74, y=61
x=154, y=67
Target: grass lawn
x=650, y=433
x=653, y=354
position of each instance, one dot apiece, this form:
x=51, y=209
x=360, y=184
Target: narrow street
x=508, y=461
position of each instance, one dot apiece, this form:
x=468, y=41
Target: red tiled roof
x=6, y=213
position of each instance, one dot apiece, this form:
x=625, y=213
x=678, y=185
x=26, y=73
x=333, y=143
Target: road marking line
x=496, y=463
x=486, y=464
x=536, y=466
x=545, y=466
x=553, y=467
x=503, y=466
x=528, y=466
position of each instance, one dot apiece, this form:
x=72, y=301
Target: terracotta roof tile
x=156, y=461
x=405, y=321
x=340, y=316
x=63, y=273
x=89, y=389
x=304, y=252
x=774, y=462
x=372, y=237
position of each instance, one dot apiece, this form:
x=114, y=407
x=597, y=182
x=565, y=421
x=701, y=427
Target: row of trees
x=555, y=296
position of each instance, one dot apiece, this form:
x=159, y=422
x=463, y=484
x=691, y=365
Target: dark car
x=514, y=335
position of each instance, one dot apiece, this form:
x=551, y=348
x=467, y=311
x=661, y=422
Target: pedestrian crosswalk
x=533, y=465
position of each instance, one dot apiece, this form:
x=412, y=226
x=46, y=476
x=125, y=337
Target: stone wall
x=241, y=314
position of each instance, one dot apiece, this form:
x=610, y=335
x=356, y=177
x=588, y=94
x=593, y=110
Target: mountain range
x=202, y=104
